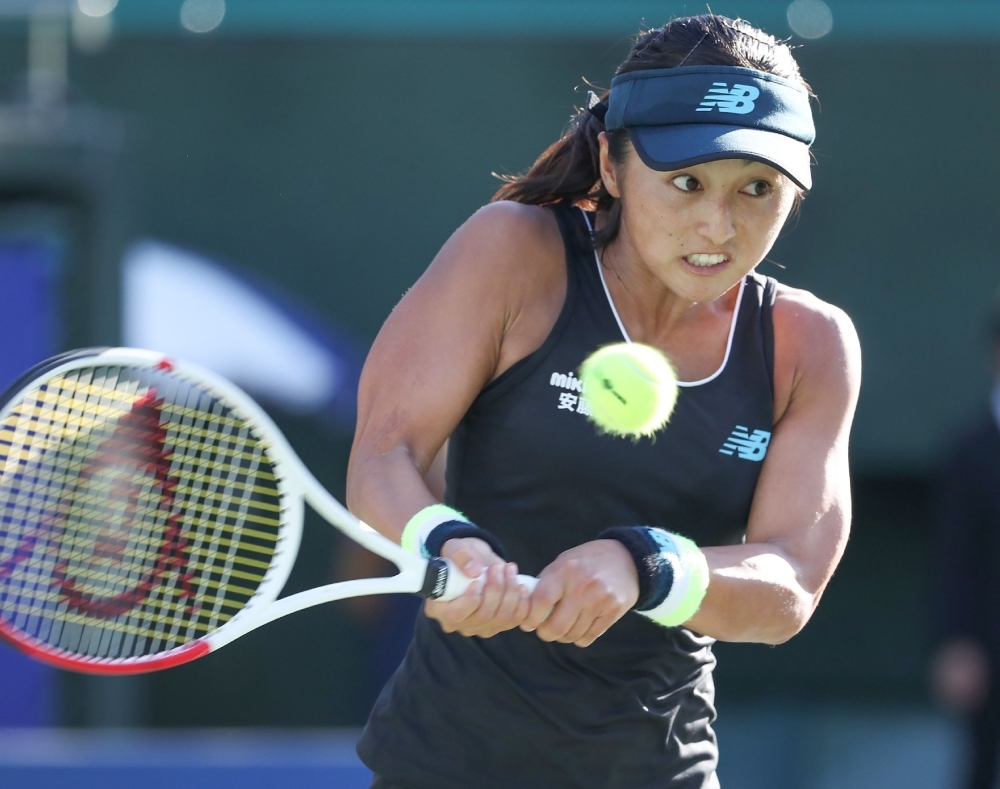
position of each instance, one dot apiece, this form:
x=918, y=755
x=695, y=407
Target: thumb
x=465, y=559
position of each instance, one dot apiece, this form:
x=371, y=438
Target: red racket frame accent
x=111, y=666
x=140, y=438
x=296, y=486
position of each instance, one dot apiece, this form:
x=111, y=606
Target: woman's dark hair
x=568, y=171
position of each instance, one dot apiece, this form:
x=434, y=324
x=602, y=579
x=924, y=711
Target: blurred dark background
x=329, y=149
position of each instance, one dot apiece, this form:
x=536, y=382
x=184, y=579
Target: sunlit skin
x=491, y=297
x=726, y=207
x=733, y=207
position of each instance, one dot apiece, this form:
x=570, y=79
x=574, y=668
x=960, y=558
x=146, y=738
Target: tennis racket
x=151, y=512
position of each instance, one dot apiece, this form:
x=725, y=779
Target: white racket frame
x=296, y=485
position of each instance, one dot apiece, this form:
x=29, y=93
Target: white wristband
x=690, y=584
x=423, y=523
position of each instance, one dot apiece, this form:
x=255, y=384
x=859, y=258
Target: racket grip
x=527, y=581
x=457, y=582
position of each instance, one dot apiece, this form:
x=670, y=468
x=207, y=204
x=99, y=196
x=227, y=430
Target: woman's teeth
x=706, y=260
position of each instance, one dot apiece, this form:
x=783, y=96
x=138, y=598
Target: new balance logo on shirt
x=739, y=100
x=747, y=445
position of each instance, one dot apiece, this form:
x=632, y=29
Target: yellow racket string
x=106, y=400
x=137, y=512
x=191, y=440
x=183, y=619
x=212, y=512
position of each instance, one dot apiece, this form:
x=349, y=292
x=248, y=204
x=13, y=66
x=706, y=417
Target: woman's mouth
x=703, y=263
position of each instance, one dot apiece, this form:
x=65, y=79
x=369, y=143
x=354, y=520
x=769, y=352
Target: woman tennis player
x=645, y=222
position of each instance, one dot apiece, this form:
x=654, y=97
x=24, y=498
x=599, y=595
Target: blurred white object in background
x=810, y=18
x=96, y=8
x=91, y=25
x=189, y=307
x=202, y=16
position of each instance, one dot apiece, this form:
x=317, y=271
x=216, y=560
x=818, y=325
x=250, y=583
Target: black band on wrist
x=449, y=530
x=435, y=579
x=656, y=573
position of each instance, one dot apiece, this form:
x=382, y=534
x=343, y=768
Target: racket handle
x=457, y=582
x=527, y=581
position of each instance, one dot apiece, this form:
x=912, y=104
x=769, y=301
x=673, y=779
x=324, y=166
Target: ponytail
x=569, y=171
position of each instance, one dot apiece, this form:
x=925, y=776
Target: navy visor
x=679, y=117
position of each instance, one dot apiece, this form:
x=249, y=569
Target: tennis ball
x=631, y=389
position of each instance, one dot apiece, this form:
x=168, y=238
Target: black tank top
x=634, y=710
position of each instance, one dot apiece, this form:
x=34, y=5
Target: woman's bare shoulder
x=509, y=255
x=528, y=263
x=511, y=237
x=815, y=342
x=808, y=318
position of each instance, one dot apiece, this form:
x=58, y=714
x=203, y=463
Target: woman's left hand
x=582, y=593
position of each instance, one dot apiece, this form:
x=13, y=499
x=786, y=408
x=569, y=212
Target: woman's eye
x=758, y=188
x=686, y=183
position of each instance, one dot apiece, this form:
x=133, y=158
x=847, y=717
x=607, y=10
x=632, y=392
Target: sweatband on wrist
x=673, y=573
x=427, y=531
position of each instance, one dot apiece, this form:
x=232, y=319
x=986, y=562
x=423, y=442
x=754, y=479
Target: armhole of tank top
x=522, y=368
x=767, y=326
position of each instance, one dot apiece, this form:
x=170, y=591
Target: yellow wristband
x=423, y=523
x=690, y=585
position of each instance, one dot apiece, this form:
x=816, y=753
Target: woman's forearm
x=755, y=594
x=385, y=490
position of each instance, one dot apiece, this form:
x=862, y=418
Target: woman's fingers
x=548, y=592
x=577, y=598
x=472, y=556
x=493, y=590
x=593, y=582
x=573, y=615
x=513, y=606
x=563, y=620
x=493, y=603
x=597, y=629
x=500, y=605
x=452, y=613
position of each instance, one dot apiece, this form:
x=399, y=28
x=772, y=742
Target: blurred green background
x=332, y=147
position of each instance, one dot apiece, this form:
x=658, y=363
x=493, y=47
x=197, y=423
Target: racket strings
x=138, y=512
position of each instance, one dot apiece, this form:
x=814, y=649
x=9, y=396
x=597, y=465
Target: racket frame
x=437, y=578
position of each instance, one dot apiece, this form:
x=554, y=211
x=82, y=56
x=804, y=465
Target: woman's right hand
x=494, y=602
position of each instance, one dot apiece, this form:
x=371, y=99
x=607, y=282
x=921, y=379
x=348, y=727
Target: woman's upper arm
x=445, y=339
x=803, y=498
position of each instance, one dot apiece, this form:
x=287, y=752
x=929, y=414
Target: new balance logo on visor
x=739, y=100
x=747, y=445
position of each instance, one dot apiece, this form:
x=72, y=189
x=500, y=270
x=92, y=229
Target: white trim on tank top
x=614, y=311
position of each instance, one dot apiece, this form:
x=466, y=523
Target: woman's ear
x=609, y=175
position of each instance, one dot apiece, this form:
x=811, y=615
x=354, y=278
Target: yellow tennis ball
x=631, y=389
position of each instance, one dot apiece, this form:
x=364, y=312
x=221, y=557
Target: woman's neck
x=650, y=310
